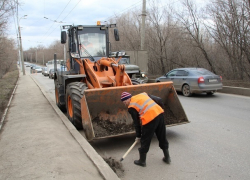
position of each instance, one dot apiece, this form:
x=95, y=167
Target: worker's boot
x=166, y=158
x=142, y=160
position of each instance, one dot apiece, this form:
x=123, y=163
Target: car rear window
x=201, y=71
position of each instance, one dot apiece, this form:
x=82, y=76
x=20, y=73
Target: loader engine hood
x=130, y=68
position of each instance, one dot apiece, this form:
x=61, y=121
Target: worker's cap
x=125, y=96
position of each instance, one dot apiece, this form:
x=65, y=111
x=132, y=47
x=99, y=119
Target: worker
x=147, y=114
x=86, y=42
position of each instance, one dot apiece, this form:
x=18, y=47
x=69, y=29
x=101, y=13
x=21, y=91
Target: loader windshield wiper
x=84, y=50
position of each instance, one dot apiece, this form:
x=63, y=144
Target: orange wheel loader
x=89, y=89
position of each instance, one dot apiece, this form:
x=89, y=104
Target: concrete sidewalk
x=36, y=144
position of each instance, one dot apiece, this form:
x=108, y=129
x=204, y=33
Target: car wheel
x=210, y=93
x=186, y=90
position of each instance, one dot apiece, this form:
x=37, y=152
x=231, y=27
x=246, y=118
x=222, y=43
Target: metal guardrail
x=235, y=90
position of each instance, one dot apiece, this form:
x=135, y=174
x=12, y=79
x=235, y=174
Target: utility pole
x=19, y=31
x=30, y=57
x=43, y=56
x=21, y=49
x=143, y=17
x=19, y=54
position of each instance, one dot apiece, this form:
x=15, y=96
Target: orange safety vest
x=147, y=108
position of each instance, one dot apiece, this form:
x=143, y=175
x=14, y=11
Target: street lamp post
x=36, y=55
x=31, y=57
x=43, y=56
x=143, y=25
x=21, y=48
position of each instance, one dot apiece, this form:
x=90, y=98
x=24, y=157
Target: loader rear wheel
x=74, y=93
x=60, y=102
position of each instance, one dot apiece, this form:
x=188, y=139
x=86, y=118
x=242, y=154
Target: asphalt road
x=215, y=145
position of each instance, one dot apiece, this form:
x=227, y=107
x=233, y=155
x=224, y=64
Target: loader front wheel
x=74, y=93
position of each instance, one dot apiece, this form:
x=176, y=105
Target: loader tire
x=74, y=93
x=60, y=98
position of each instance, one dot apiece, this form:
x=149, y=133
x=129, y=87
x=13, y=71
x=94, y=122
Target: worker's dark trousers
x=158, y=127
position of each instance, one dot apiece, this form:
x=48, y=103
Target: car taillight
x=201, y=80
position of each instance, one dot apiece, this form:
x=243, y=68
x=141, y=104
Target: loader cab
x=92, y=42
x=87, y=41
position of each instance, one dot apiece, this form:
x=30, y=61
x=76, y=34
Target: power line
x=125, y=10
x=136, y=5
x=63, y=9
x=130, y=7
x=71, y=10
x=45, y=36
x=15, y=21
x=50, y=33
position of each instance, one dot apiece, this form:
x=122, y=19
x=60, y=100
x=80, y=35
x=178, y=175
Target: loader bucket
x=104, y=115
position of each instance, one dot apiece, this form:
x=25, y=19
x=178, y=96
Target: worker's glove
x=137, y=139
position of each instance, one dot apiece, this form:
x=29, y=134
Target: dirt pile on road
x=116, y=166
x=104, y=128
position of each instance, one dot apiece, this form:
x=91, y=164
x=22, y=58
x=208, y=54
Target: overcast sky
x=35, y=29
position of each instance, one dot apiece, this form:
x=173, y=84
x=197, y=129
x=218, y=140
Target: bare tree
x=44, y=53
x=7, y=48
x=6, y=7
x=192, y=25
x=157, y=35
x=129, y=31
x=7, y=55
x=231, y=32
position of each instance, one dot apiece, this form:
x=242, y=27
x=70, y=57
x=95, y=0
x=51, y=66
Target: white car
x=44, y=71
x=37, y=69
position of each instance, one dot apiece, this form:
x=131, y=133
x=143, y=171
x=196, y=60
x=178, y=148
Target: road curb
x=235, y=90
x=104, y=169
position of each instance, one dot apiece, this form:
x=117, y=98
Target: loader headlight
x=66, y=26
